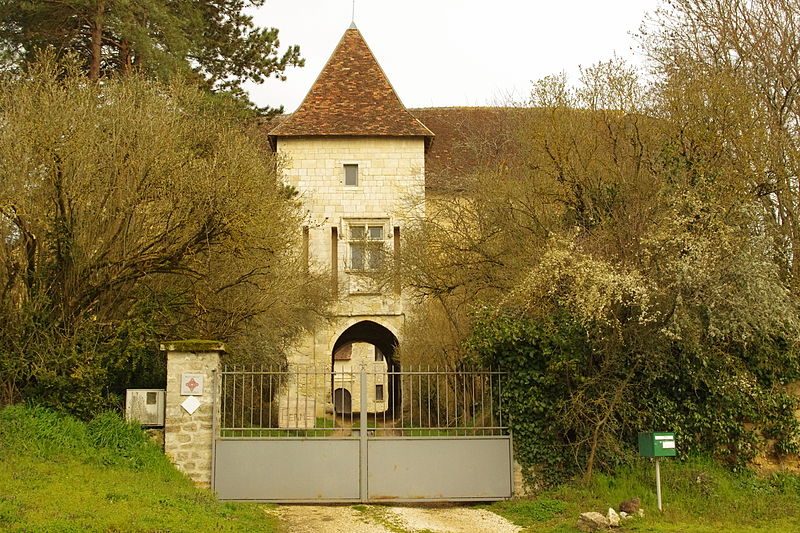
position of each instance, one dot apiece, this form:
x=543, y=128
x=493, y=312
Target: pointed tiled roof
x=351, y=97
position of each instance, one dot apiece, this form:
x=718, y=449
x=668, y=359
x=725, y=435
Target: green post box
x=657, y=444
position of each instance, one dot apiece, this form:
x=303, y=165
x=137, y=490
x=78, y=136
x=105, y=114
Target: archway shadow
x=385, y=341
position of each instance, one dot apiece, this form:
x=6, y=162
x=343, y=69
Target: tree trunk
x=608, y=411
x=125, y=57
x=97, y=41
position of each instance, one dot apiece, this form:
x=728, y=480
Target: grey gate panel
x=287, y=436
x=458, y=468
x=287, y=469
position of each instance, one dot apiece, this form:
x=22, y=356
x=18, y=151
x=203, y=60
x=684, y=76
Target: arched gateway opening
x=372, y=345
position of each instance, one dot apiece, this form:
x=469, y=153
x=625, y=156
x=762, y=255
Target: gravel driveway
x=390, y=519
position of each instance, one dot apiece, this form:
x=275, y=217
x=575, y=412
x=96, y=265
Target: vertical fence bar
x=271, y=397
x=409, y=411
x=438, y=401
x=385, y=383
x=252, y=398
x=428, y=394
x=280, y=401
x=491, y=400
x=296, y=399
x=233, y=400
x=393, y=401
x=500, y=397
x=315, y=381
x=403, y=398
x=362, y=434
x=353, y=387
x=472, y=402
x=214, y=423
x=411, y=399
x=464, y=412
x=305, y=398
x=391, y=391
x=419, y=396
x=261, y=401
x=223, y=401
x=242, y=377
x=447, y=401
x=482, y=383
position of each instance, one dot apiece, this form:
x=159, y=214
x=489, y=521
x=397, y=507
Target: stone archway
x=385, y=344
x=372, y=333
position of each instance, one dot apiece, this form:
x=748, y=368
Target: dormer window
x=351, y=174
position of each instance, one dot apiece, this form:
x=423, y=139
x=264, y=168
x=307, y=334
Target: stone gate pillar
x=193, y=385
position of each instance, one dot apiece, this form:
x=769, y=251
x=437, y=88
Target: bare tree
x=132, y=191
x=730, y=72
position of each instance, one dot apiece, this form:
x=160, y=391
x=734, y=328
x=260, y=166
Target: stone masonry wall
x=390, y=170
x=391, y=189
x=390, y=192
x=188, y=437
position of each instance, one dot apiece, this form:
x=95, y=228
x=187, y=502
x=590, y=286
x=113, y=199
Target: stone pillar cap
x=193, y=345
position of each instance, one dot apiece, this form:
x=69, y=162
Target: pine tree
x=213, y=41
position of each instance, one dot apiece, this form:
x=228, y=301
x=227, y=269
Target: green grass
x=61, y=475
x=446, y=432
x=58, y=474
x=322, y=428
x=698, y=497
x=370, y=423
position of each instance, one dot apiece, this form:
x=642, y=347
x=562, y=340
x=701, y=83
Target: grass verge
x=58, y=474
x=698, y=496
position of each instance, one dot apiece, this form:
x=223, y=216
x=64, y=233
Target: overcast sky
x=454, y=52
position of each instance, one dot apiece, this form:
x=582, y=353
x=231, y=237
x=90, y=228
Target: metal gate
x=367, y=435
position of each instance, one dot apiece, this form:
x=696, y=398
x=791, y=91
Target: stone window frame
x=358, y=173
x=372, y=248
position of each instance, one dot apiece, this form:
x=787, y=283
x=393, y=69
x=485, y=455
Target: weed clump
x=107, y=439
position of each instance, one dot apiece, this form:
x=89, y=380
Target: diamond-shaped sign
x=191, y=404
x=192, y=384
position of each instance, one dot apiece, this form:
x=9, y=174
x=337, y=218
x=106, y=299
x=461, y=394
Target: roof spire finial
x=353, y=19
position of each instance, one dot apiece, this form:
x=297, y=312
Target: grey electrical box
x=145, y=406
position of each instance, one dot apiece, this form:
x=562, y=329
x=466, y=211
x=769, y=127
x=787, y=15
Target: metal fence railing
x=305, y=402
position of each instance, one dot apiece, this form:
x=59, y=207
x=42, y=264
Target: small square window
x=351, y=175
x=378, y=393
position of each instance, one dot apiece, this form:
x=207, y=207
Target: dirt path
x=385, y=519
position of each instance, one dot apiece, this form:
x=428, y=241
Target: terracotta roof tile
x=345, y=353
x=468, y=140
x=351, y=97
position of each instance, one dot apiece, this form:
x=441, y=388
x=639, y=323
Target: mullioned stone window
x=366, y=241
